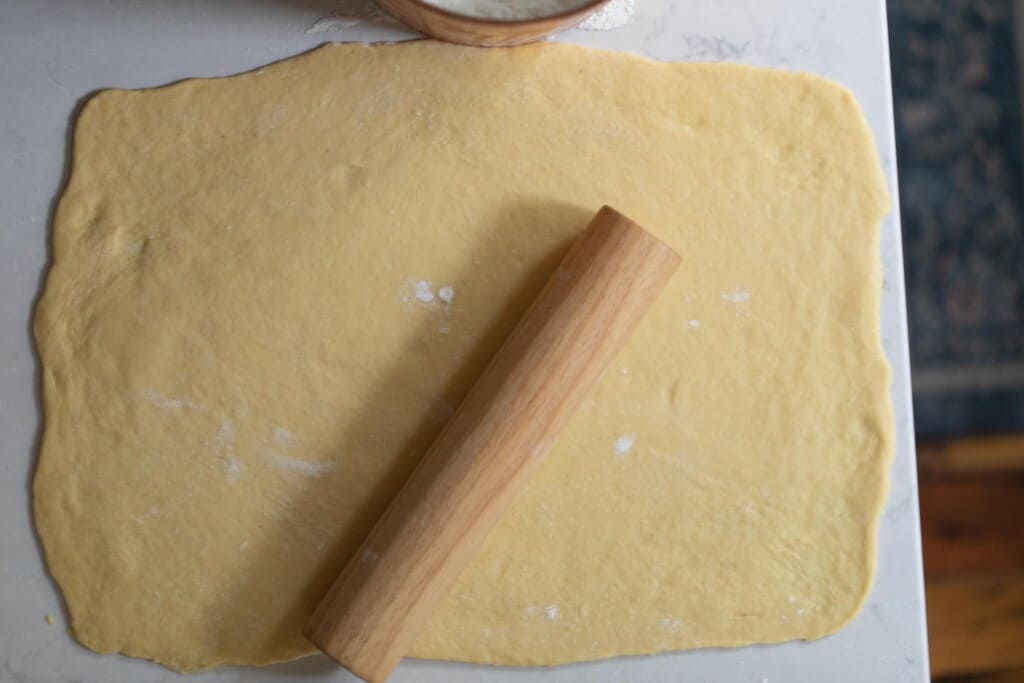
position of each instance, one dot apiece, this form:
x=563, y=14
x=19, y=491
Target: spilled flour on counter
x=333, y=24
x=367, y=12
x=614, y=14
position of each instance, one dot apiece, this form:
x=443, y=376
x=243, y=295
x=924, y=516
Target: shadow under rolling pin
x=485, y=454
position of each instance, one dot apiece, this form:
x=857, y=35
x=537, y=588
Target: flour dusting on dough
x=309, y=469
x=282, y=439
x=148, y=514
x=231, y=470
x=168, y=403
x=225, y=435
x=223, y=448
x=694, y=324
x=624, y=444
x=423, y=292
x=283, y=436
x=671, y=625
x=736, y=297
x=549, y=612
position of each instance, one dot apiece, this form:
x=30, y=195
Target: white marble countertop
x=54, y=53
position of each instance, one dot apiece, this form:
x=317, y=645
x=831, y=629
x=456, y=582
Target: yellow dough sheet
x=270, y=291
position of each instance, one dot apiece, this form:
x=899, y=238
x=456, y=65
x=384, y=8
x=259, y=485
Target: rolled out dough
x=246, y=346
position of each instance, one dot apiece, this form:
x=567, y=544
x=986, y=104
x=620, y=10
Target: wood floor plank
x=972, y=455
x=972, y=524
x=1015, y=676
x=976, y=624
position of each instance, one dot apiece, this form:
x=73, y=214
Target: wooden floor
x=972, y=523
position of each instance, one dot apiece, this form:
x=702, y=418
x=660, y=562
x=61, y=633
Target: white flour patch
x=671, y=625
x=694, y=324
x=225, y=435
x=277, y=452
x=231, y=470
x=243, y=545
x=223, y=448
x=422, y=292
x=623, y=445
x=333, y=24
x=614, y=14
x=549, y=612
x=283, y=436
x=736, y=297
x=303, y=467
x=148, y=514
x=366, y=12
x=169, y=403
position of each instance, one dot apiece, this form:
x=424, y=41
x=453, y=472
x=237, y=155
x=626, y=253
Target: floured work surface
x=270, y=291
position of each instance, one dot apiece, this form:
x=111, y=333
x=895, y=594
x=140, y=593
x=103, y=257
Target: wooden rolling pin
x=502, y=430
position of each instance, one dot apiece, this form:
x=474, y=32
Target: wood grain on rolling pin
x=426, y=537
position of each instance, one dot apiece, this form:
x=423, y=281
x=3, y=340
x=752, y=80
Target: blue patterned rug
x=956, y=81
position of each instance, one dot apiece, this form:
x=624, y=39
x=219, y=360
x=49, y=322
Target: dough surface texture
x=269, y=292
